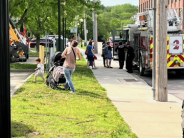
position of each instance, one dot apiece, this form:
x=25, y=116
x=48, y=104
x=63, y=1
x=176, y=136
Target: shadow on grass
x=21, y=89
x=21, y=130
x=91, y=94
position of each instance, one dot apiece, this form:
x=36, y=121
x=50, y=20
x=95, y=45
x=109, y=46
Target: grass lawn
x=22, y=66
x=33, y=53
x=38, y=111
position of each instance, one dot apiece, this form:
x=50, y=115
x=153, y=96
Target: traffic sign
x=73, y=29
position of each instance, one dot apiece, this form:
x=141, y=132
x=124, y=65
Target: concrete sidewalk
x=133, y=99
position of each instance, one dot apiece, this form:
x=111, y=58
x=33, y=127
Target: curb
x=22, y=70
x=18, y=86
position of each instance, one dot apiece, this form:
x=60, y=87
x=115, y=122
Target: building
x=148, y=4
x=145, y=4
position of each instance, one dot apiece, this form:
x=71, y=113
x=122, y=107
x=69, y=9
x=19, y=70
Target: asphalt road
x=175, y=83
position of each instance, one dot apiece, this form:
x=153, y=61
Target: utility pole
x=85, y=32
x=5, y=120
x=95, y=30
x=161, y=51
x=154, y=48
x=59, y=26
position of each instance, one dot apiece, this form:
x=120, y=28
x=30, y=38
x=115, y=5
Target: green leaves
x=115, y=17
x=42, y=15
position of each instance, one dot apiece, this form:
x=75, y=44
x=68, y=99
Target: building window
x=175, y=0
x=171, y=1
x=151, y=3
x=168, y=1
x=147, y=5
x=139, y=8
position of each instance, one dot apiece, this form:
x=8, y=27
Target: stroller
x=55, y=76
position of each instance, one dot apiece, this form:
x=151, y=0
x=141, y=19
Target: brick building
x=148, y=4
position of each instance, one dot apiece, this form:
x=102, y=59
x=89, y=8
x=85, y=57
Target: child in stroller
x=55, y=77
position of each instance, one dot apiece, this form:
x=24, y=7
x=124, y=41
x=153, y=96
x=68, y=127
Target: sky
x=115, y=2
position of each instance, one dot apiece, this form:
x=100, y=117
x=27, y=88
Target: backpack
x=105, y=50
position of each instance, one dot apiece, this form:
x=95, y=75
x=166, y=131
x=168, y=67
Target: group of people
x=121, y=49
x=70, y=60
x=68, y=67
x=107, y=54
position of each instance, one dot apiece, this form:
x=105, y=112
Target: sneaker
x=71, y=92
x=64, y=85
x=95, y=68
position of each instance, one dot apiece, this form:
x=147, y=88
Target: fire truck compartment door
x=175, y=45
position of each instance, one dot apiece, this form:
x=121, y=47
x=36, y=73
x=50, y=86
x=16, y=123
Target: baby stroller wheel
x=47, y=82
x=52, y=84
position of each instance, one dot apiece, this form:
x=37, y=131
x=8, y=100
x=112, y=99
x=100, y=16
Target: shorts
x=90, y=58
x=38, y=73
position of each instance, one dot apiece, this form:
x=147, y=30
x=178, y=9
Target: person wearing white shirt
x=39, y=71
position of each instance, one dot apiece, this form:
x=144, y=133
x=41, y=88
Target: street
x=175, y=83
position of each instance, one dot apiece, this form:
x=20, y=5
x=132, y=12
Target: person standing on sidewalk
x=69, y=64
x=121, y=55
x=90, y=55
x=103, y=55
x=108, y=56
x=129, y=59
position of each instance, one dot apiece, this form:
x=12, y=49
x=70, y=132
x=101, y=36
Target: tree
x=115, y=17
x=41, y=15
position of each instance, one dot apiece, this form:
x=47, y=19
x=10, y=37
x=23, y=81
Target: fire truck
x=140, y=37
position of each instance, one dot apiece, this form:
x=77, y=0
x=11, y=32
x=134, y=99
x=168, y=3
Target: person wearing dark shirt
x=120, y=50
x=129, y=59
x=103, y=46
x=121, y=35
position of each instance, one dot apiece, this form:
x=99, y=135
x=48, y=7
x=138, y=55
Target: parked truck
x=18, y=47
x=140, y=37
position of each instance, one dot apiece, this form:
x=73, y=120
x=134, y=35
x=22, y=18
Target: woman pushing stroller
x=70, y=63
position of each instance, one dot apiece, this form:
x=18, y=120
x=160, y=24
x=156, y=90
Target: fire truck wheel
x=141, y=68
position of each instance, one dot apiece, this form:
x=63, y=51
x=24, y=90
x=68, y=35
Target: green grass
x=33, y=53
x=22, y=66
x=37, y=109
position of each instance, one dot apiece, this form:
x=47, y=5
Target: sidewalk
x=134, y=100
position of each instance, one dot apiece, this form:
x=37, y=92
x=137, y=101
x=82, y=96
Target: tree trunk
x=37, y=42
